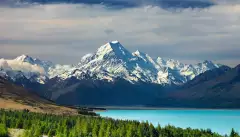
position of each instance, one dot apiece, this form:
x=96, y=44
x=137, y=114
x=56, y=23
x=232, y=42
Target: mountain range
x=112, y=76
x=109, y=62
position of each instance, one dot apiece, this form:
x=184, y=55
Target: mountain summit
x=113, y=49
x=34, y=61
x=24, y=58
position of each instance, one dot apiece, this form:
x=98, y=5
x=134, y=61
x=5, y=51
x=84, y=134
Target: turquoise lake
x=221, y=121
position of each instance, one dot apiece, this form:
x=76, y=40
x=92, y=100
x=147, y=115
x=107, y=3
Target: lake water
x=221, y=121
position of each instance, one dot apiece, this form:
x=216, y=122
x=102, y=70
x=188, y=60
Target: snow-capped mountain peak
x=174, y=64
x=113, y=48
x=160, y=61
x=34, y=61
x=208, y=63
x=136, y=53
x=112, y=60
x=25, y=58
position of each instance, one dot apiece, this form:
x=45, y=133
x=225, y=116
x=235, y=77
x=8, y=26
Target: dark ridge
x=238, y=68
x=206, y=76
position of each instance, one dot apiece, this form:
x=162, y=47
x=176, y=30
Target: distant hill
x=217, y=88
x=16, y=97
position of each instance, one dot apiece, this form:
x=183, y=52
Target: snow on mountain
x=18, y=65
x=34, y=61
x=59, y=71
x=109, y=62
x=25, y=66
x=204, y=66
x=112, y=60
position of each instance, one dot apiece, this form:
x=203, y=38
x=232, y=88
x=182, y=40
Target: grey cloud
x=109, y=31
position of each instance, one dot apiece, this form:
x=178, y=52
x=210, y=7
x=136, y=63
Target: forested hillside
x=37, y=124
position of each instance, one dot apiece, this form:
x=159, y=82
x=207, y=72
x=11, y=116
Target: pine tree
x=129, y=131
x=233, y=133
x=108, y=130
x=86, y=128
x=95, y=130
x=51, y=133
x=140, y=130
x=37, y=131
x=102, y=129
x=19, y=123
x=3, y=130
x=158, y=128
x=152, y=131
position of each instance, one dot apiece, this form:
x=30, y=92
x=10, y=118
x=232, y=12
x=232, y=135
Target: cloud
x=65, y=32
x=18, y=65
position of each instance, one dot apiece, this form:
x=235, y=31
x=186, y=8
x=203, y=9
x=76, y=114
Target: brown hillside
x=18, y=98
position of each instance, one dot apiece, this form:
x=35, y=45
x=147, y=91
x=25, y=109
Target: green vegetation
x=3, y=131
x=37, y=124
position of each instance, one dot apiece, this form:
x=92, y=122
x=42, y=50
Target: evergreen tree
x=36, y=131
x=233, y=133
x=95, y=130
x=140, y=130
x=108, y=130
x=3, y=130
x=129, y=131
x=102, y=129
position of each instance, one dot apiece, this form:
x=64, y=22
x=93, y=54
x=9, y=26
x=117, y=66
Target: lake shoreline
x=158, y=108
x=218, y=120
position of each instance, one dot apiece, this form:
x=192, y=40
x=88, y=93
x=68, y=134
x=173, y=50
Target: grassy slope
x=18, y=98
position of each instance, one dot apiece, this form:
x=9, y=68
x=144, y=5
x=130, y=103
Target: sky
x=186, y=30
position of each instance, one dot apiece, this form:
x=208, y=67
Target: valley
x=119, y=68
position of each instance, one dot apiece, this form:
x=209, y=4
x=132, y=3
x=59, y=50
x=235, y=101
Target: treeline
x=37, y=124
